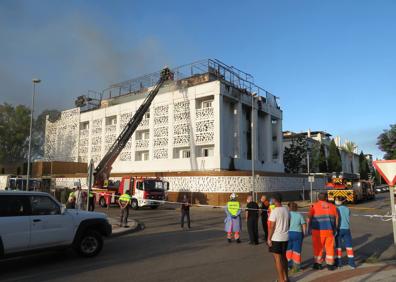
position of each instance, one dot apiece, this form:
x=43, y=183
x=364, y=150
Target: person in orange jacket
x=323, y=220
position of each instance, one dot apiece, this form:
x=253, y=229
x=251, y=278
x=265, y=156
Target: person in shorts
x=278, y=236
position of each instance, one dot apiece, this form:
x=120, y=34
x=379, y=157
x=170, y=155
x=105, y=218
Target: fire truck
x=350, y=187
x=144, y=191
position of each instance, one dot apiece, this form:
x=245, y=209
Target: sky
x=332, y=63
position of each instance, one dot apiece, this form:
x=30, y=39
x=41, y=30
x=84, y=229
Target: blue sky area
x=332, y=63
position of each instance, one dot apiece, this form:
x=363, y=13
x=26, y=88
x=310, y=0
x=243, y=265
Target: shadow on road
x=120, y=251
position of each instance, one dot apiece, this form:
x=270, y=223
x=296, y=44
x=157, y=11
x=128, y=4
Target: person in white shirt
x=278, y=236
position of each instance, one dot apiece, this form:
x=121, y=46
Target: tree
x=363, y=166
x=14, y=132
x=315, y=157
x=322, y=159
x=334, y=158
x=295, y=154
x=386, y=142
x=350, y=148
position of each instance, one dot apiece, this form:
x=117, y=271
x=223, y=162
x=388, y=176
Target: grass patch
x=372, y=259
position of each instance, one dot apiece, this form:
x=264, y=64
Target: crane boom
x=103, y=169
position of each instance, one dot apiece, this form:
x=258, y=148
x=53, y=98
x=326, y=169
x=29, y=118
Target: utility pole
x=309, y=175
x=34, y=81
x=90, y=180
x=252, y=148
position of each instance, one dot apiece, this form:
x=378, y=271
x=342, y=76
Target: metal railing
x=234, y=76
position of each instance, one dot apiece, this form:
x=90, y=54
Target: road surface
x=165, y=252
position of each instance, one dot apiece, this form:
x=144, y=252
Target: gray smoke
x=70, y=53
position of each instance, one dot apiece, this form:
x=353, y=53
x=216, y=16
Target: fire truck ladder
x=103, y=169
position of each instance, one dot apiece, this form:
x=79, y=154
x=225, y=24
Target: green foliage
x=386, y=142
x=364, y=168
x=14, y=132
x=315, y=157
x=350, y=148
x=294, y=155
x=322, y=159
x=334, y=158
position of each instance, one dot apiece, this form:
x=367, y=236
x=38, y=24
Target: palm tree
x=350, y=148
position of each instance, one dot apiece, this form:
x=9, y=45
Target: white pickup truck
x=33, y=221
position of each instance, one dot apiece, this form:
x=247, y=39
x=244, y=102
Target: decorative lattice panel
x=204, y=113
x=160, y=142
x=62, y=137
x=161, y=110
x=204, y=138
x=125, y=156
x=181, y=117
x=160, y=132
x=141, y=144
x=124, y=118
x=181, y=107
x=144, y=123
x=160, y=154
x=111, y=129
x=181, y=140
x=204, y=126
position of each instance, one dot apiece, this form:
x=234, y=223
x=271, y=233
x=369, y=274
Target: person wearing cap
x=124, y=202
x=233, y=219
x=344, y=234
x=278, y=236
x=323, y=221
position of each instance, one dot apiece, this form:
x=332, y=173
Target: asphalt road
x=164, y=252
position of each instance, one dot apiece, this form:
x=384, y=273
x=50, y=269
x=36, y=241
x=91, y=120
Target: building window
x=111, y=120
x=142, y=135
x=185, y=154
x=207, y=152
x=84, y=125
x=207, y=104
x=142, y=156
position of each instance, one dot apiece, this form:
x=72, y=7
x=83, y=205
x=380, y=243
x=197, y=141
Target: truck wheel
x=134, y=204
x=102, y=202
x=90, y=244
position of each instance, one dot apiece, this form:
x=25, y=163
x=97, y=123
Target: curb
x=139, y=226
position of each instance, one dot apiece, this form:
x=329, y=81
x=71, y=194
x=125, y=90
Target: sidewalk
x=133, y=226
x=368, y=272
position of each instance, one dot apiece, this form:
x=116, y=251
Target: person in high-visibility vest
x=71, y=200
x=233, y=219
x=124, y=201
x=91, y=204
x=323, y=220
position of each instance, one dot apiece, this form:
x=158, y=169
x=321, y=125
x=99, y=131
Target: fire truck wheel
x=102, y=202
x=134, y=204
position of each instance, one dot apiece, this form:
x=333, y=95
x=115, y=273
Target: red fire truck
x=145, y=191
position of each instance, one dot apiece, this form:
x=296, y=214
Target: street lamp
x=34, y=81
x=252, y=135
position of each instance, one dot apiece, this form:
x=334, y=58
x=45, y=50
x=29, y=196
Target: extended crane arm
x=102, y=171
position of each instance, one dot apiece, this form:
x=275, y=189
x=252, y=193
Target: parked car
x=34, y=221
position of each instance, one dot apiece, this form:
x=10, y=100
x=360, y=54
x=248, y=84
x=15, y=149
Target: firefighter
x=91, y=204
x=344, y=234
x=323, y=220
x=233, y=222
x=124, y=202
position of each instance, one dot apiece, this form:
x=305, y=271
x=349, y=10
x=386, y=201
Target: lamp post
x=34, y=81
x=252, y=147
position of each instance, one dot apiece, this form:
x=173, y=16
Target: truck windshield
x=150, y=185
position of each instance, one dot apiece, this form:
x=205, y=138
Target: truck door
x=48, y=225
x=14, y=222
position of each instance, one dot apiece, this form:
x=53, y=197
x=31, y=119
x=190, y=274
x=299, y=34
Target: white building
x=200, y=121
